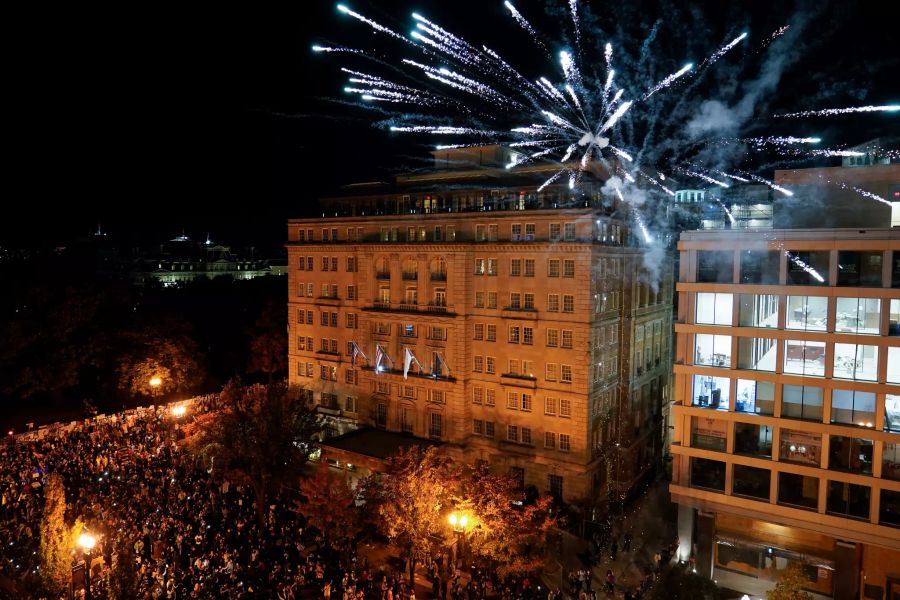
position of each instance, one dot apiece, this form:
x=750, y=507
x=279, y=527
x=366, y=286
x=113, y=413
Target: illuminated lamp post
x=155, y=381
x=87, y=542
x=459, y=522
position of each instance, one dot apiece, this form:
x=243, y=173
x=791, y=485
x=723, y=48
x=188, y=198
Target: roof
x=376, y=443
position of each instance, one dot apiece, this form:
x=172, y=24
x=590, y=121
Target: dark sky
x=149, y=118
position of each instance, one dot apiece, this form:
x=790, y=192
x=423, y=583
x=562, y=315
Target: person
x=614, y=550
x=610, y=582
x=627, y=547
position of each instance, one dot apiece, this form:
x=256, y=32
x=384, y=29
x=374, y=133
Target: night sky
x=152, y=118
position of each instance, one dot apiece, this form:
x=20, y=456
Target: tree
x=414, y=497
x=56, y=540
x=505, y=529
x=790, y=585
x=170, y=356
x=263, y=432
x=123, y=577
x=329, y=503
x=268, y=341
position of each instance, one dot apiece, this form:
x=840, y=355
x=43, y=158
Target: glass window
x=804, y=357
x=713, y=350
x=715, y=266
x=855, y=361
x=714, y=309
x=894, y=316
x=711, y=392
x=709, y=434
x=798, y=490
x=848, y=499
x=850, y=454
x=752, y=482
x=890, y=462
x=858, y=315
x=807, y=268
x=893, y=365
x=758, y=310
x=859, y=268
x=757, y=354
x=890, y=508
x=892, y=413
x=756, y=397
x=895, y=270
x=760, y=266
x=809, y=313
x=709, y=474
x=852, y=407
x=801, y=402
x=800, y=447
x=753, y=440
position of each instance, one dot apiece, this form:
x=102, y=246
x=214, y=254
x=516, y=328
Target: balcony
x=382, y=275
x=439, y=276
x=435, y=307
x=410, y=275
x=519, y=380
x=407, y=307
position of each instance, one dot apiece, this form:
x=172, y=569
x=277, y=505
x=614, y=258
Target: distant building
x=517, y=325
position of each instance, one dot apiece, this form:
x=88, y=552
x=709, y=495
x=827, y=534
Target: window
x=515, y=267
x=479, y=266
x=859, y=268
x=554, y=232
x=479, y=331
x=309, y=290
x=491, y=333
x=351, y=264
x=514, y=368
x=890, y=508
x=477, y=395
x=325, y=262
x=890, y=462
x=550, y=406
x=350, y=321
x=350, y=403
x=713, y=350
x=852, y=407
x=565, y=407
x=529, y=301
x=438, y=233
x=489, y=364
x=552, y=372
x=515, y=232
x=756, y=354
x=529, y=231
x=753, y=440
x=528, y=335
x=894, y=316
x=711, y=392
x=751, y=482
x=492, y=266
x=566, y=338
x=804, y=357
x=493, y=233
x=708, y=474
x=808, y=313
x=552, y=338
x=565, y=374
x=407, y=330
x=568, y=268
x=715, y=266
x=855, y=361
x=802, y=402
x=807, y=268
x=800, y=447
x=760, y=266
x=512, y=433
x=568, y=303
x=798, y=490
x=569, y=232
x=489, y=429
x=553, y=267
x=351, y=292
x=479, y=299
x=492, y=299
x=714, y=309
x=478, y=367
x=758, y=310
x=893, y=364
x=892, y=413
x=848, y=500
x=328, y=373
x=850, y=454
x=549, y=439
x=529, y=267
x=350, y=375
x=553, y=303
x=490, y=397
x=515, y=300
x=478, y=427
x=555, y=486
x=435, y=425
x=709, y=434
x=514, y=334
x=858, y=315
x=526, y=402
x=757, y=397
x=565, y=443
x=437, y=397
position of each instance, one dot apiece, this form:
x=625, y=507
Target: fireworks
x=828, y=112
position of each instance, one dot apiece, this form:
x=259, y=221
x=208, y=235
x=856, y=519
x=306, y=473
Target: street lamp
x=87, y=542
x=155, y=381
x=459, y=522
x=178, y=411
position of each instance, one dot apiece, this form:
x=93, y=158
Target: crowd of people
x=189, y=535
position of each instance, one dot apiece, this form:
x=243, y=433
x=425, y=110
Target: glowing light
x=828, y=112
x=179, y=411
x=155, y=381
x=706, y=178
x=668, y=80
x=86, y=541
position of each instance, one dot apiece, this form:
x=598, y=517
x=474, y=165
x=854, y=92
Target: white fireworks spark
x=706, y=178
x=827, y=112
x=668, y=81
x=808, y=269
x=376, y=26
x=771, y=184
x=721, y=51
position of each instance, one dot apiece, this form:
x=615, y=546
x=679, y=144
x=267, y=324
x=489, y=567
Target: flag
x=408, y=359
x=356, y=350
x=379, y=354
x=439, y=360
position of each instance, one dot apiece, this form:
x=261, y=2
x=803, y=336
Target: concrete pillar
x=847, y=560
x=706, y=530
x=686, y=516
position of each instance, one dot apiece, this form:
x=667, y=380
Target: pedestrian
x=627, y=547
